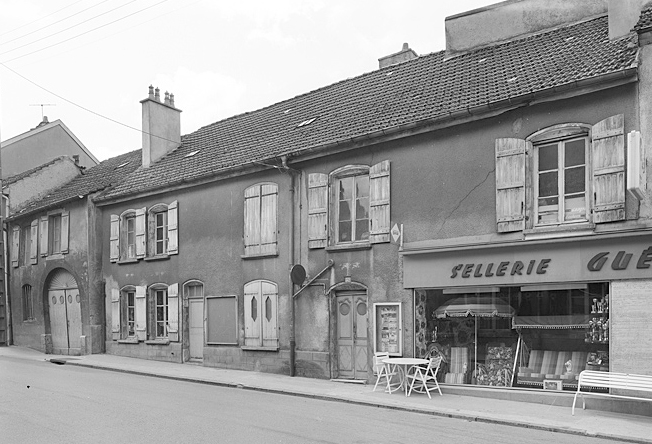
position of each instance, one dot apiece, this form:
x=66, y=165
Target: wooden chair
x=424, y=375
x=383, y=372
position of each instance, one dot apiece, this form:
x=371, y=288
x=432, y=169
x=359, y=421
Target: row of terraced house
x=487, y=202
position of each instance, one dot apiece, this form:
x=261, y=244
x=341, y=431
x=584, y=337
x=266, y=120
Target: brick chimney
x=403, y=55
x=161, y=126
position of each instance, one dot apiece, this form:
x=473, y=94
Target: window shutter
x=141, y=313
x=252, y=306
x=510, y=184
x=141, y=232
x=379, y=202
x=173, y=233
x=268, y=206
x=15, y=246
x=33, y=242
x=65, y=231
x=608, y=167
x=44, y=236
x=252, y=220
x=173, y=312
x=269, y=315
x=317, y=210
x=115, y=238
x=115, y=313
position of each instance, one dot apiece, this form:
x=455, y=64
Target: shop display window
x=514, y=336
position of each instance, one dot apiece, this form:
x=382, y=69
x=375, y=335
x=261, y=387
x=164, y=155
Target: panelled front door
x=352, y=336
x=196, y=327
x=65, y=313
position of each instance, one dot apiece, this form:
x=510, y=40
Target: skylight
x=192, y=153
x=306, y=122
x=121, y=165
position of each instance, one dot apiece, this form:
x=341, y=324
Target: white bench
x=609, y=380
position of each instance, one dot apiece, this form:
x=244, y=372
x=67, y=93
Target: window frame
x=154, y=240
x=26, y=243
x=27, y=303
x=54, y=233
x=336, y=177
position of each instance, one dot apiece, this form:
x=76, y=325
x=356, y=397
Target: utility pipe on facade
x=291, y=259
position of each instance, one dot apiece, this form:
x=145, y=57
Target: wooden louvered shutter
x=317, y=210
x=115, y=313
x=141, y=232
x=65, y=231
x=268, y=207
x=379, y=202
x=114, y=242
x=252, y=221
x=510, y=184
x=173, y=312
x=141, y=313
x=43, y=240
x=33, y=242
x=173, y=231
x=608, y=169
x=15, y=246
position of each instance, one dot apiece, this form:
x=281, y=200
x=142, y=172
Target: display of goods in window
x=497, y=369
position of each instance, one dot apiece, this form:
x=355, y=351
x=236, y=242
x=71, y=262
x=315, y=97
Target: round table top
x=405, y=361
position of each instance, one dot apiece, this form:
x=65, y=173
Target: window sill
x=54, y=257
x=158, y=342
x=259, y=256
x=160, y=257
x=560, y=231
x=127, y=261
x=261, y=348
x=128, y=341
x=351, y=246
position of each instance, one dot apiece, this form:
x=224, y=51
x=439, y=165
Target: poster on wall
x=388, y=326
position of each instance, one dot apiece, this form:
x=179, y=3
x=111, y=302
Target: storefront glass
x=526, y=336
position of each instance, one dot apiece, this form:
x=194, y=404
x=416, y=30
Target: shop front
x=533, y=313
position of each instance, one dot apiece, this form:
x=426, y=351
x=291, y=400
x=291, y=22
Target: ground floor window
x=527, y=336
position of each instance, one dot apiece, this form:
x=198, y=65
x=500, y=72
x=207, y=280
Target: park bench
x=609, y=380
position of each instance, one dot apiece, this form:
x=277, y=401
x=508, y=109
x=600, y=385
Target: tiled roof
x=645, y=20
x=97, y=178
x=429, y=88
x=20, y=176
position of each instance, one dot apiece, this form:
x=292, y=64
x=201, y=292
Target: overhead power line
x=40, y=18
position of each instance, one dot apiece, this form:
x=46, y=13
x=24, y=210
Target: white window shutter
x=252, y=313
x=141, y=232
x=317, y=210
x=141, y=313
x=115, y=238
x=608, y=168
x=379, y=199
x=65, y=231
x=33, y=242
x=510, y=184
x=44, y=235
x=173, y=231
x=15, y=246
x=252, y=220
x=173, y=312
x=115, y=313
x=269, y=314
x=268, y=220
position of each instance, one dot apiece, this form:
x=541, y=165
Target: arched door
x=65, y=313
x=352, y=335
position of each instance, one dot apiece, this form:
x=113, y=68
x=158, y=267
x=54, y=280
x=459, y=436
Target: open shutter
x=33, y=242
x=252, y=308
x=15, y=246
x=608, y=166
x=252, y=220
x=43, y=240
x=141, y=313
x=173, y=232
x=510, y=184
x=269, y=315
x=268, y=205
x=65, y=231
x=115, y=238
x=141, y=232
x=115, y=313
x=317, y=210
x=173, y=312
x=379, y=202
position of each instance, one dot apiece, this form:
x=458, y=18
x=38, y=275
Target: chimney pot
x=167, y=98
x=151, y=92
x=171, y=100
x=157, y=96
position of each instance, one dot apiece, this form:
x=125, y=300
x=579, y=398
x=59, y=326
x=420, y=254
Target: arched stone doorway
x=64, y=304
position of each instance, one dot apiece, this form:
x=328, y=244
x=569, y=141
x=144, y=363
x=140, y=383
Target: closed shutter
x=141, y=313
x=173, y=232
x=33, y=242
x=43, y=240
x=173, y=312
x=141, y=232
x=317, y=210
x=379, y=202
x=114, y=241
x=65, y=231
x=510, y=184
x=268, y=205
x=115, y=313
x=252, y=309
x=252, y=220
x=15, y=246
x=608, y=167
x=269, y=305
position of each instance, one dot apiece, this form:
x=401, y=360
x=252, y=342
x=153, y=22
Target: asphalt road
x=41, y=402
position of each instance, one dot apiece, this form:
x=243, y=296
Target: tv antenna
x=42, y=105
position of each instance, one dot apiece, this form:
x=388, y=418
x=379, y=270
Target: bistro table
x=402, y=365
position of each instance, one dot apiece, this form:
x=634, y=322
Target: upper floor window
x=260, y=222
x=260, y=306
x=26, y=245
x=566, y=175
x=349, y=207
x=28, y=303
x=54, y=224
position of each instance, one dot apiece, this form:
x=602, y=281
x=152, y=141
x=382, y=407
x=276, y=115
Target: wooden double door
x=352, y=336
x=65, y=314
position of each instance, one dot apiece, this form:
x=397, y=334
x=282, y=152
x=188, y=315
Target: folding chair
x=423, y=375
x=382, y=371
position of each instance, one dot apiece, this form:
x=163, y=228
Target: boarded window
x=221, y=320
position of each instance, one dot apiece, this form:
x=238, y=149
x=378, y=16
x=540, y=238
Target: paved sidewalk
x=608, y=425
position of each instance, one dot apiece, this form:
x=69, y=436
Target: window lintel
x=561, y=131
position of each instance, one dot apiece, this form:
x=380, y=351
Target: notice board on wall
x=221, y=320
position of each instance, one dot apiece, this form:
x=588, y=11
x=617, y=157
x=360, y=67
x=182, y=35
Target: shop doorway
x=196, y=327
x=352, y=335
x=65, y=313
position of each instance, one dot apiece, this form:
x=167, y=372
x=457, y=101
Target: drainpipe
x=291, y=260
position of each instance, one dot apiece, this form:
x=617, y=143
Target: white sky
x=219, y=58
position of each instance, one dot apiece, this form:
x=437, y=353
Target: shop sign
x=621, y=260
x=501, y=269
